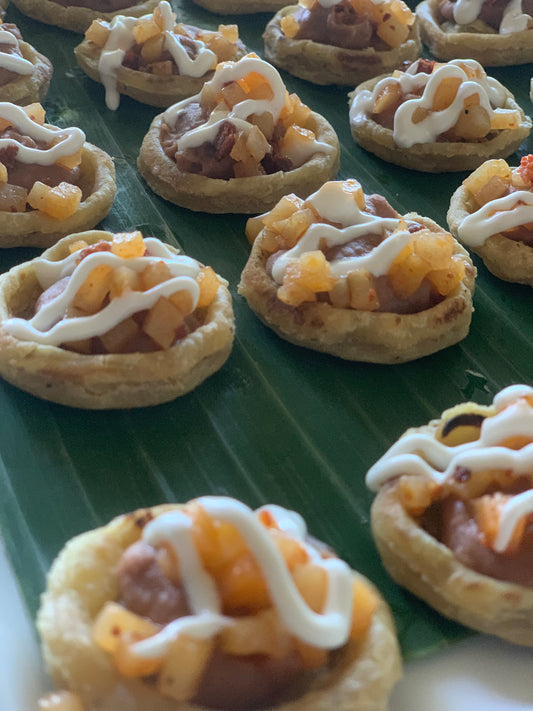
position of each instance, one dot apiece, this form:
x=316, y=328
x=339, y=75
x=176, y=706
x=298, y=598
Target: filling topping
x=125, y=295
x=228, y=607
x=39, y=164
x=488, y=16
x=431, y=102
x=242, y=123
x=157, y=45
x=354, y=251
x=470, y=484
x=12, y=63
x=350, y=24
x=502, y=199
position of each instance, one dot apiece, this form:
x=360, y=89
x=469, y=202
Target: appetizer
x=77, y=15
x=239, y=145
x=109, y=321
x=154, y=59
x=52, y=182
x=240, y=7
x=437, y=117
x=453, y=515
x=493, y=33
x=342, y=272
x=213, y=605
x=25, y=73
x=342, y=42
x=491, y=213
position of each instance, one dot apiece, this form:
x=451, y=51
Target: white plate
x=479, y=674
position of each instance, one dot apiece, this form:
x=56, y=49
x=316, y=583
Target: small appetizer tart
x=25, y=73
x=491, y=213
x=494, y=33
x=453, y=515
x=239, y=145
x=108, y=321
x=345, y=274
x=77, y=15
x=153, y=59
x=240, y=7
x=437, y=117
x=210, y=605
x=52, y=182
x=342, y=42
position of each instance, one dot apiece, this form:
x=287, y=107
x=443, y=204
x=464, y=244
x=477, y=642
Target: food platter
x=278, y=423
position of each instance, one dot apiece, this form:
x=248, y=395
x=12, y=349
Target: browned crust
x=505, y=258
x=361, y=679
x=374, y=337
x=151, y=89
x=251, y=195
x=427, y=568
x=490, y=49
x=76, y=19
x=33, y=229
x=438, y=157
x=325, y=64
x=107, y=381
x=27, y=89
x=240, y=7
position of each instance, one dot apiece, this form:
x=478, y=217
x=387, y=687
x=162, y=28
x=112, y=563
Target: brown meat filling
x=339, y=26
x=491, y=11
x=133, y=58
x=229, y=682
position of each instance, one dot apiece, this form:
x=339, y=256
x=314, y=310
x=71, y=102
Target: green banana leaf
x=277, y=423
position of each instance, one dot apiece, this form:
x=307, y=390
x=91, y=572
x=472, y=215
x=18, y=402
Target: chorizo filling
x=487, y=16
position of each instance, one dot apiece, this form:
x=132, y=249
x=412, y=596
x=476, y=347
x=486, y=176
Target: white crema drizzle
x=327, y=630
x=514, y=20
x=496, y=216
x=420, y=453
x=67, y=140
x=227, y=72
x=13, y=62
x=50, y=325
x=121, y=39
x=337, y=205
x=405, y=132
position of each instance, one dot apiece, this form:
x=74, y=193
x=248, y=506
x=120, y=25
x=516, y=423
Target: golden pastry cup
x=251, y=195
x=34, y=229
x=374, y=337
x=83, y=578
x=489, y=48
x=440, y=156
x=29, y=88
x=76, y=19
x=505, y=258
x=325, y=64
x=152, y=89
x=240, y=7
x=110, y=381
x=420, y=563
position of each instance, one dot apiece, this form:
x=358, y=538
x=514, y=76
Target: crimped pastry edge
x=325, y=64
x=110, y=381
x=33, y=229
x=489, y=49
x=373, y=337
x=362, y=677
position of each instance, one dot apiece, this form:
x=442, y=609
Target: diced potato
x=91, y=295
x=183, y=667
x=257, y=144
x=365, y=603
x=298, y=112
x=3, y=173
x=283, y=209
x=494, y=167
x=445, y=93
x=60, y=701
x=233, y=94
x=208, y=282
x=124, y=279
x=420, y=114
x=117, y=339
x=289, y=26
x=59, y=202
x=402, y=12
x=339, y=296
x=264, y=122
x=153, y=274
x=145, y=28
x=392, y=31
x=254, y=225
x=70, y=162
x=312, y=583
x=504, y=119
x=416, y=493
x=242, y=586
x=159, y=17
x=388, y=96
x=114, y=620
x=229, y=32
x=305, y=277
x=78, y=245
x=247, y=167
x=165, y=68
x=366, y=8
x=473, y=122
x=4, y=124
x=161, y=322
x=36, y=112
x=263, y=633
x=183, y=301
x=406, y=272
x=487, y=513
x=128, y=245
x=363, y=295
x=493, y=189
x=98, y=32
x=435, y=250
x=256, y=87
x=153, y=48
x=447, y=280
x=293, y=551
x=293, y=227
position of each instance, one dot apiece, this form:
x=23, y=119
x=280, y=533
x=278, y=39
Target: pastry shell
x=490, y=49
x=375, y=337
x=506, y=258
x=76, y=19
x=29, y=88
x=251, y=195
x=326, y=64
x=361, y=678
x=428, y=569
x=240, y=7
x=109, y=381
x=152, y=89
x=34, y=229
x=440, y=156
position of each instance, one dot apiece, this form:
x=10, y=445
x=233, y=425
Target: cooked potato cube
x=59, y=202
x=162, y=321
x=92, y=293
x=262, y=633
x=98, y=32
x=117, y=339
x=208, y=282
x=114, y=620
x=128, y=244
x=153, y=274
x=183, y=667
